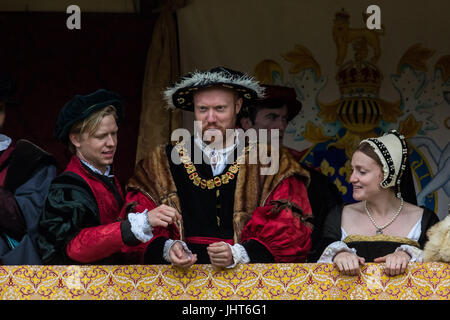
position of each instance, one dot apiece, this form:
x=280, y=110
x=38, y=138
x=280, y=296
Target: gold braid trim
x=381, y=237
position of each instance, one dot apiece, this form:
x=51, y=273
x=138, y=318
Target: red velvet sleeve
x=137, y=253
x=285, y=234
x=140, y=202
x=95, y=243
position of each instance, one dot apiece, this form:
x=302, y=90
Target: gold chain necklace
x=380, y=229
x=198, y=181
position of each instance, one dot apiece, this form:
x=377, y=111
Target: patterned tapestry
x=289, y=281
x=354, y=82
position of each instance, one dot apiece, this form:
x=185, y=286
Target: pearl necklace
x=380, y=229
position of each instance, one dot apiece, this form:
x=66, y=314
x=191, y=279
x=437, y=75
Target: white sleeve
x=140, y=226
x=239, y=254
x=333, y=249
x=414, y=252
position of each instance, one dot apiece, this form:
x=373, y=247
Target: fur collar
x=153, y=178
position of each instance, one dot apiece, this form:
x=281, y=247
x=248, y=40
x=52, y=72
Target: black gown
x=371, y=247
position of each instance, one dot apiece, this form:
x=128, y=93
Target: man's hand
x=162, y=216
x=180, y=257
x=220, y=254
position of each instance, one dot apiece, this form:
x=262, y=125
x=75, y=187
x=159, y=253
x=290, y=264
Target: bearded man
x=231, y=210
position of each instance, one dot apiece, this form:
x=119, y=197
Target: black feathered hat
x=180, y=95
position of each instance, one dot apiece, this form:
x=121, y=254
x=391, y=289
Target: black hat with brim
x=180, y=95
x=81, y=107
x=275, y=97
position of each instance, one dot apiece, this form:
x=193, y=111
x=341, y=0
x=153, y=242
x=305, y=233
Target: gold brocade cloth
x=204, y=282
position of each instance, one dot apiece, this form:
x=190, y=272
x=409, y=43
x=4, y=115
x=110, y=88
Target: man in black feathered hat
x=82, y=220
x=26, y=172
x=231, y=211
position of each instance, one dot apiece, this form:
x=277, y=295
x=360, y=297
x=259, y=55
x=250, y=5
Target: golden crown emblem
x=359, y=82
x=359, y=108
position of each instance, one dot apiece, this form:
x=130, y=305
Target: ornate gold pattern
x=265, y=69
x=381, y=237
x=416, y=57
x=203, y=282
x=344, y=35
x=409, y=127
x=326, y=169
x=342, y=189
x=346, y=170
x=301, y=58
x=315, y=133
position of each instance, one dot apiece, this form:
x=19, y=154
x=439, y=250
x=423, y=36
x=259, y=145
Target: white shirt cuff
x=239, y=255
x=140, y=226
x=414, y=252
x=332, y=250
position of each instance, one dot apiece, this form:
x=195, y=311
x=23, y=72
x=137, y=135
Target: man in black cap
x=273, y=113
x=82, y=220
x=26, y=172
x=232, y=210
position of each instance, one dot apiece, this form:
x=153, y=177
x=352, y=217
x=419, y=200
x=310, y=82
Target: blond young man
x=81, y=222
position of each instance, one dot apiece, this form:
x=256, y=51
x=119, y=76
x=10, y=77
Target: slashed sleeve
x=280, y=231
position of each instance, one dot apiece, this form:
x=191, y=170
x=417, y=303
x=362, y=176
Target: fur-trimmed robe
x=258, y=199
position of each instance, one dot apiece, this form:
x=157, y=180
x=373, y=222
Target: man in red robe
x=233, y=211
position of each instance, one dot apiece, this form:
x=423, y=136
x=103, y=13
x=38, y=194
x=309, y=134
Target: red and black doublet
x=81, y=221
x=267, y=214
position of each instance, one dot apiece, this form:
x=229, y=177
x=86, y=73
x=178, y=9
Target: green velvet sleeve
x=70, y=207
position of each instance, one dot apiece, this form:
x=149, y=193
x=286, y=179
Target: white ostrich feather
x=199, y=78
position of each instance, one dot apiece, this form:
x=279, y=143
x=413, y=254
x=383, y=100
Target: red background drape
x=52, y=63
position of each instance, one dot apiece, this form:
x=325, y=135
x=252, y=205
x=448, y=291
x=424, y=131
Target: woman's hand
x=394, y=263
x=162, y=216
x=348, y=263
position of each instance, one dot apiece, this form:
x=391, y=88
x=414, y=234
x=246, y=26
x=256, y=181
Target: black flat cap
x=81, y=107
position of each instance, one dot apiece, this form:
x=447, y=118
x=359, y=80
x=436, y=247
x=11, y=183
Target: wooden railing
x=253, y=281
